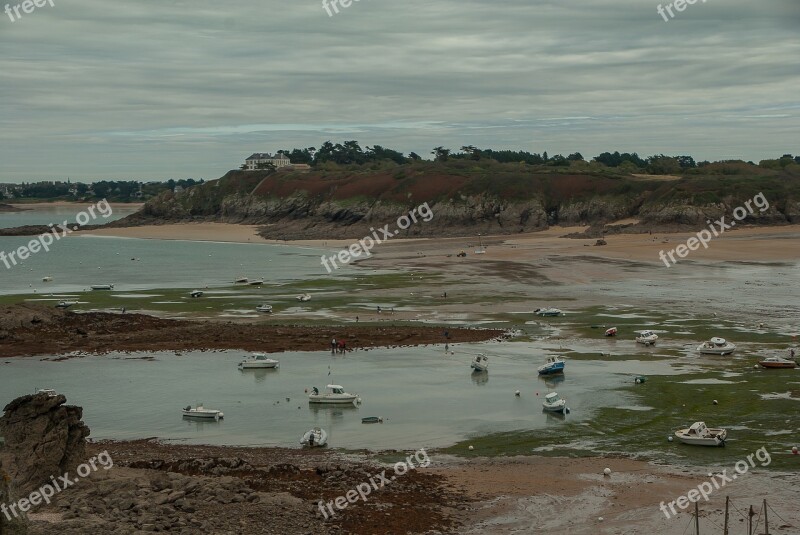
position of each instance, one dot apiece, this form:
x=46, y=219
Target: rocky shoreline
x=29, y=330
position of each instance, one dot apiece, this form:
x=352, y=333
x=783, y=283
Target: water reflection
x=260, y=374
x=480, y=378
x=551, y=381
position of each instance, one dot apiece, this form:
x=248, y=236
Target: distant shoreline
x=60, y=204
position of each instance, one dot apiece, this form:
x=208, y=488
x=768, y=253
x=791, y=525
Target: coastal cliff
x=470, y=197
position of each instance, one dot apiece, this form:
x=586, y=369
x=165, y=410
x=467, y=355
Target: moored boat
x=647, y=338
x=480, y=363
x=612, y=331
x=304, y=297
x=102, y=287
x=241, y=280
x=700, y=435
x=47, y=279
x=257, y=282
x=264, y=308
x=65, y=304
x=555, y=403
x=552, y=365
x=372, y=420
x=716, y=346
x=258, y=361
x=316, y=437
x=201, y=412
x=196, y=293
x=548, y=312
x=777, y=363
x=334, y=394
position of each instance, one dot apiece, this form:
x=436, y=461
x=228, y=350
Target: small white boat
x=47, y=279
x=66, y=304
x=553, y=365
x=196, y=293
x=102, y=287
x=258, y=361
x=700, y=435
x=49, y=391
x=716, y=346
x=304, y=297
x=480, y=363
x=647, y=338
x=257, y=282
x=316, y=437
x=242, y=280
x=335, y=394
x=548, y=312
x=264, y=308
x=555, y=403
x=777, y=362
x=202, y=413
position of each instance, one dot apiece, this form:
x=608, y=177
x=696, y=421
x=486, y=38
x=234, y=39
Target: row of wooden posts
x=726, y=528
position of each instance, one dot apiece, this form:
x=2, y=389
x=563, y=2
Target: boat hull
x=331, y=400
x=258, y=365
x=552, y=370
x=778, y=365
x=203, y=415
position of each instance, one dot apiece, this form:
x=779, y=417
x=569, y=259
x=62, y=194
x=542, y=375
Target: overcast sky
x=156, y=89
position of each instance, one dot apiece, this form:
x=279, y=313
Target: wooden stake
x=750, y=521
x=727, y=503
x=766, y=521
x=696, y=519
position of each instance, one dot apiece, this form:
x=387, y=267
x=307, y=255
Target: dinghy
x=201, y=412
x=548, y=312
x=315, y=438
x=267, y=309
x=372, y=420
x=611, y=332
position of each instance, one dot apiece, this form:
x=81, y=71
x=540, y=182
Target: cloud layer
x=148, y=89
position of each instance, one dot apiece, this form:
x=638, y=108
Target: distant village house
x=260, y=160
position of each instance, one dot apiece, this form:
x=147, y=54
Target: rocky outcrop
x=44, y=438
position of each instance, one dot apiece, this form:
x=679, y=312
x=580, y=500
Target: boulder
x=44, y=438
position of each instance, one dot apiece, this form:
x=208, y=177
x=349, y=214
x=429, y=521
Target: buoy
x=607, y=471
x=756, y=366
x=794, y=450
x=516, y=393
x=669, y=439
x=599, y=518
x=470, y=448
x=715, y=402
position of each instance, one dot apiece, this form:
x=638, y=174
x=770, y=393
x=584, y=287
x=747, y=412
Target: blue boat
x=552, y=366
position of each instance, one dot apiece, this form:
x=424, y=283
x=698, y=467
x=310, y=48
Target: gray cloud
x=153, y=89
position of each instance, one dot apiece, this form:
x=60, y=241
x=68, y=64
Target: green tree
x=441, y=154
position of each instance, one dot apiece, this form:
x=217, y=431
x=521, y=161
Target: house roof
x=267, y=156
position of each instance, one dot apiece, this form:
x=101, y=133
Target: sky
x=158, y=89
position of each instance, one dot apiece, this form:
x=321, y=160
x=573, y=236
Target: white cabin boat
x=304, y=297
x=201, y=412
x=777, y=362
x=47, y=279
x=480, y=363
x=196, y=293
x=716, y=346
x=700, y=435
x=314, y=438
x=647, y=338
x=548, y=312
x=555, y=403
x=49, y=391
x=264, y=308
x=102, y=287
x=258, y=361
x=241, y=280
x=334, y=394
x=257, y=282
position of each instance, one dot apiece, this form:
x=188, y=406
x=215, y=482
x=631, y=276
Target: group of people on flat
x=339, y=346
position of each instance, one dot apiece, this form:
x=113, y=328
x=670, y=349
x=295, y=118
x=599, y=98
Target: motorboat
x=334, y=394
x=611, y=331
x=548, y=312
x=700, y=435
x=372, y=420
x=552, y=365
x=647, y=338
x=196, y=293
x=264, y=308
x=480, y=363
x=202, y=413
x=241, y=280
x=47, y=279
x=716, y=346
x=777, y=362
x=65, y=304
x=257, y=282
x=258, y=361
x=315, y=438
x=555, y=403
x=99, y=287
x=304, y=297
x=48, y=391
